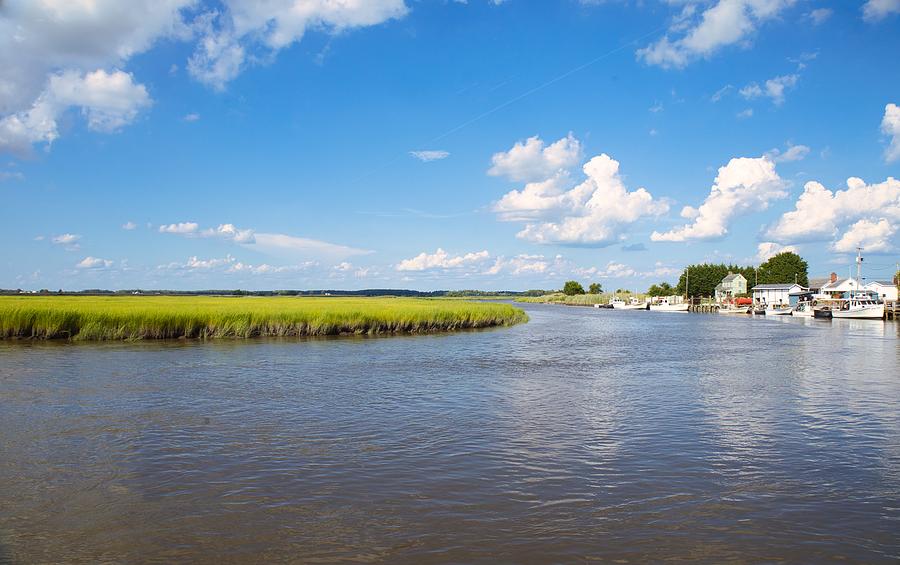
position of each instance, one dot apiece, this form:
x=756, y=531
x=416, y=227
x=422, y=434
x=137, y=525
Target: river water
x=583, y=435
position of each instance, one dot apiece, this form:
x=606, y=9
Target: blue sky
x=433, y=145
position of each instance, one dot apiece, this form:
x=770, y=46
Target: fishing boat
x=804, y=309
x=673, y=303
x=633, y=304
x=669, y=304
x=860, y=305
x=734, y=309
x=759, y=310
x=778, y=310
x=822, y=312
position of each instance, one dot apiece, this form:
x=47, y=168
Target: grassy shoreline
x=205, y=317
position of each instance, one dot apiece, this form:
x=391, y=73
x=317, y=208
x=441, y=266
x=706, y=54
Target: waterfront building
x=732, y=285
x=840, y=289
x=885, y=290
x=774, y=294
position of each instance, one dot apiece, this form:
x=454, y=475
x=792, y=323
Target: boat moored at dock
x=669, y=304
x=778, y=310
x=860, y=307
x=804, y=309
x=633, y=304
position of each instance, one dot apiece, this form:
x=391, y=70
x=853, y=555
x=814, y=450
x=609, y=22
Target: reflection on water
x=607, y=435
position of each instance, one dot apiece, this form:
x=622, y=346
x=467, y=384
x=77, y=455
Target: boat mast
x=687, y=282
x=858, y=269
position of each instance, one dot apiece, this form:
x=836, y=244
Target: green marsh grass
x=168, y=317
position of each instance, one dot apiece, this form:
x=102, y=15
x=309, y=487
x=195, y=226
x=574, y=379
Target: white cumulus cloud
x=768, y=249
x=875, y=10
x=819, y=213
x=595, y=212
x=249, y=30
x=181, y=228
x=872, y=235
x=533, y=160
x=94, y=263
x=230, y=232
x=744, y=185
x=108, y=101
x=521, y=265
x=694, y=36
x=440, y=259
x=66, y=239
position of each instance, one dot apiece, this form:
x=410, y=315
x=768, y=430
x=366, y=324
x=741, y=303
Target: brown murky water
x=584, y=435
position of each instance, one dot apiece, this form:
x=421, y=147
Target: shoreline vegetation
x=95, y=318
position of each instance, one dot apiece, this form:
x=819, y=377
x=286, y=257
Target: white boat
x=859, y=307
x=804, y=309
x=732, y=309
x=633, y=304
x=667, y=305
x=778, y=310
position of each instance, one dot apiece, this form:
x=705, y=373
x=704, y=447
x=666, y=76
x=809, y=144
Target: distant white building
x=840, y=288
x=776, y=293
x=886, y=290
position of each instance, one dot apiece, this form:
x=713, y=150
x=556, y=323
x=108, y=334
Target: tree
x=661, y=289
x=786, y=267
x=705, y=277
x=573, y=287
x=595, y=288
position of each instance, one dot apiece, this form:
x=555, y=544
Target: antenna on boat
x=859, y=261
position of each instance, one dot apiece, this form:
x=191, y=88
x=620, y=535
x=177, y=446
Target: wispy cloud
x=67, y=240
x=94, y=263
x=428, y=156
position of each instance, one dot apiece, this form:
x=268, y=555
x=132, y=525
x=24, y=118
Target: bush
x=572, y=288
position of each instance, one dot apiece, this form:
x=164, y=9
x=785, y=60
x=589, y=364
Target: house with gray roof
x=732, y=285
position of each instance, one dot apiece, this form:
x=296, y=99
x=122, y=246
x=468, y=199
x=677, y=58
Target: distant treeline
x=238, y=292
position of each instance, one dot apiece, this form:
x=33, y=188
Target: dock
x=891, y=308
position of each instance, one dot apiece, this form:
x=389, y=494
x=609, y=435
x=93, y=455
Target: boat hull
x=669, y=307
x=871, y=313
x=630, y=306
x=734, y=311
x=803, y=313
x=778, y=312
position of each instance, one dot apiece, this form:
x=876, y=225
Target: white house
x=776, y=293
x=886, y=290
x=840, y=289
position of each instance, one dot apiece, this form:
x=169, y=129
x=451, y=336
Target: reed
x=560, y=298
x=204, y=317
